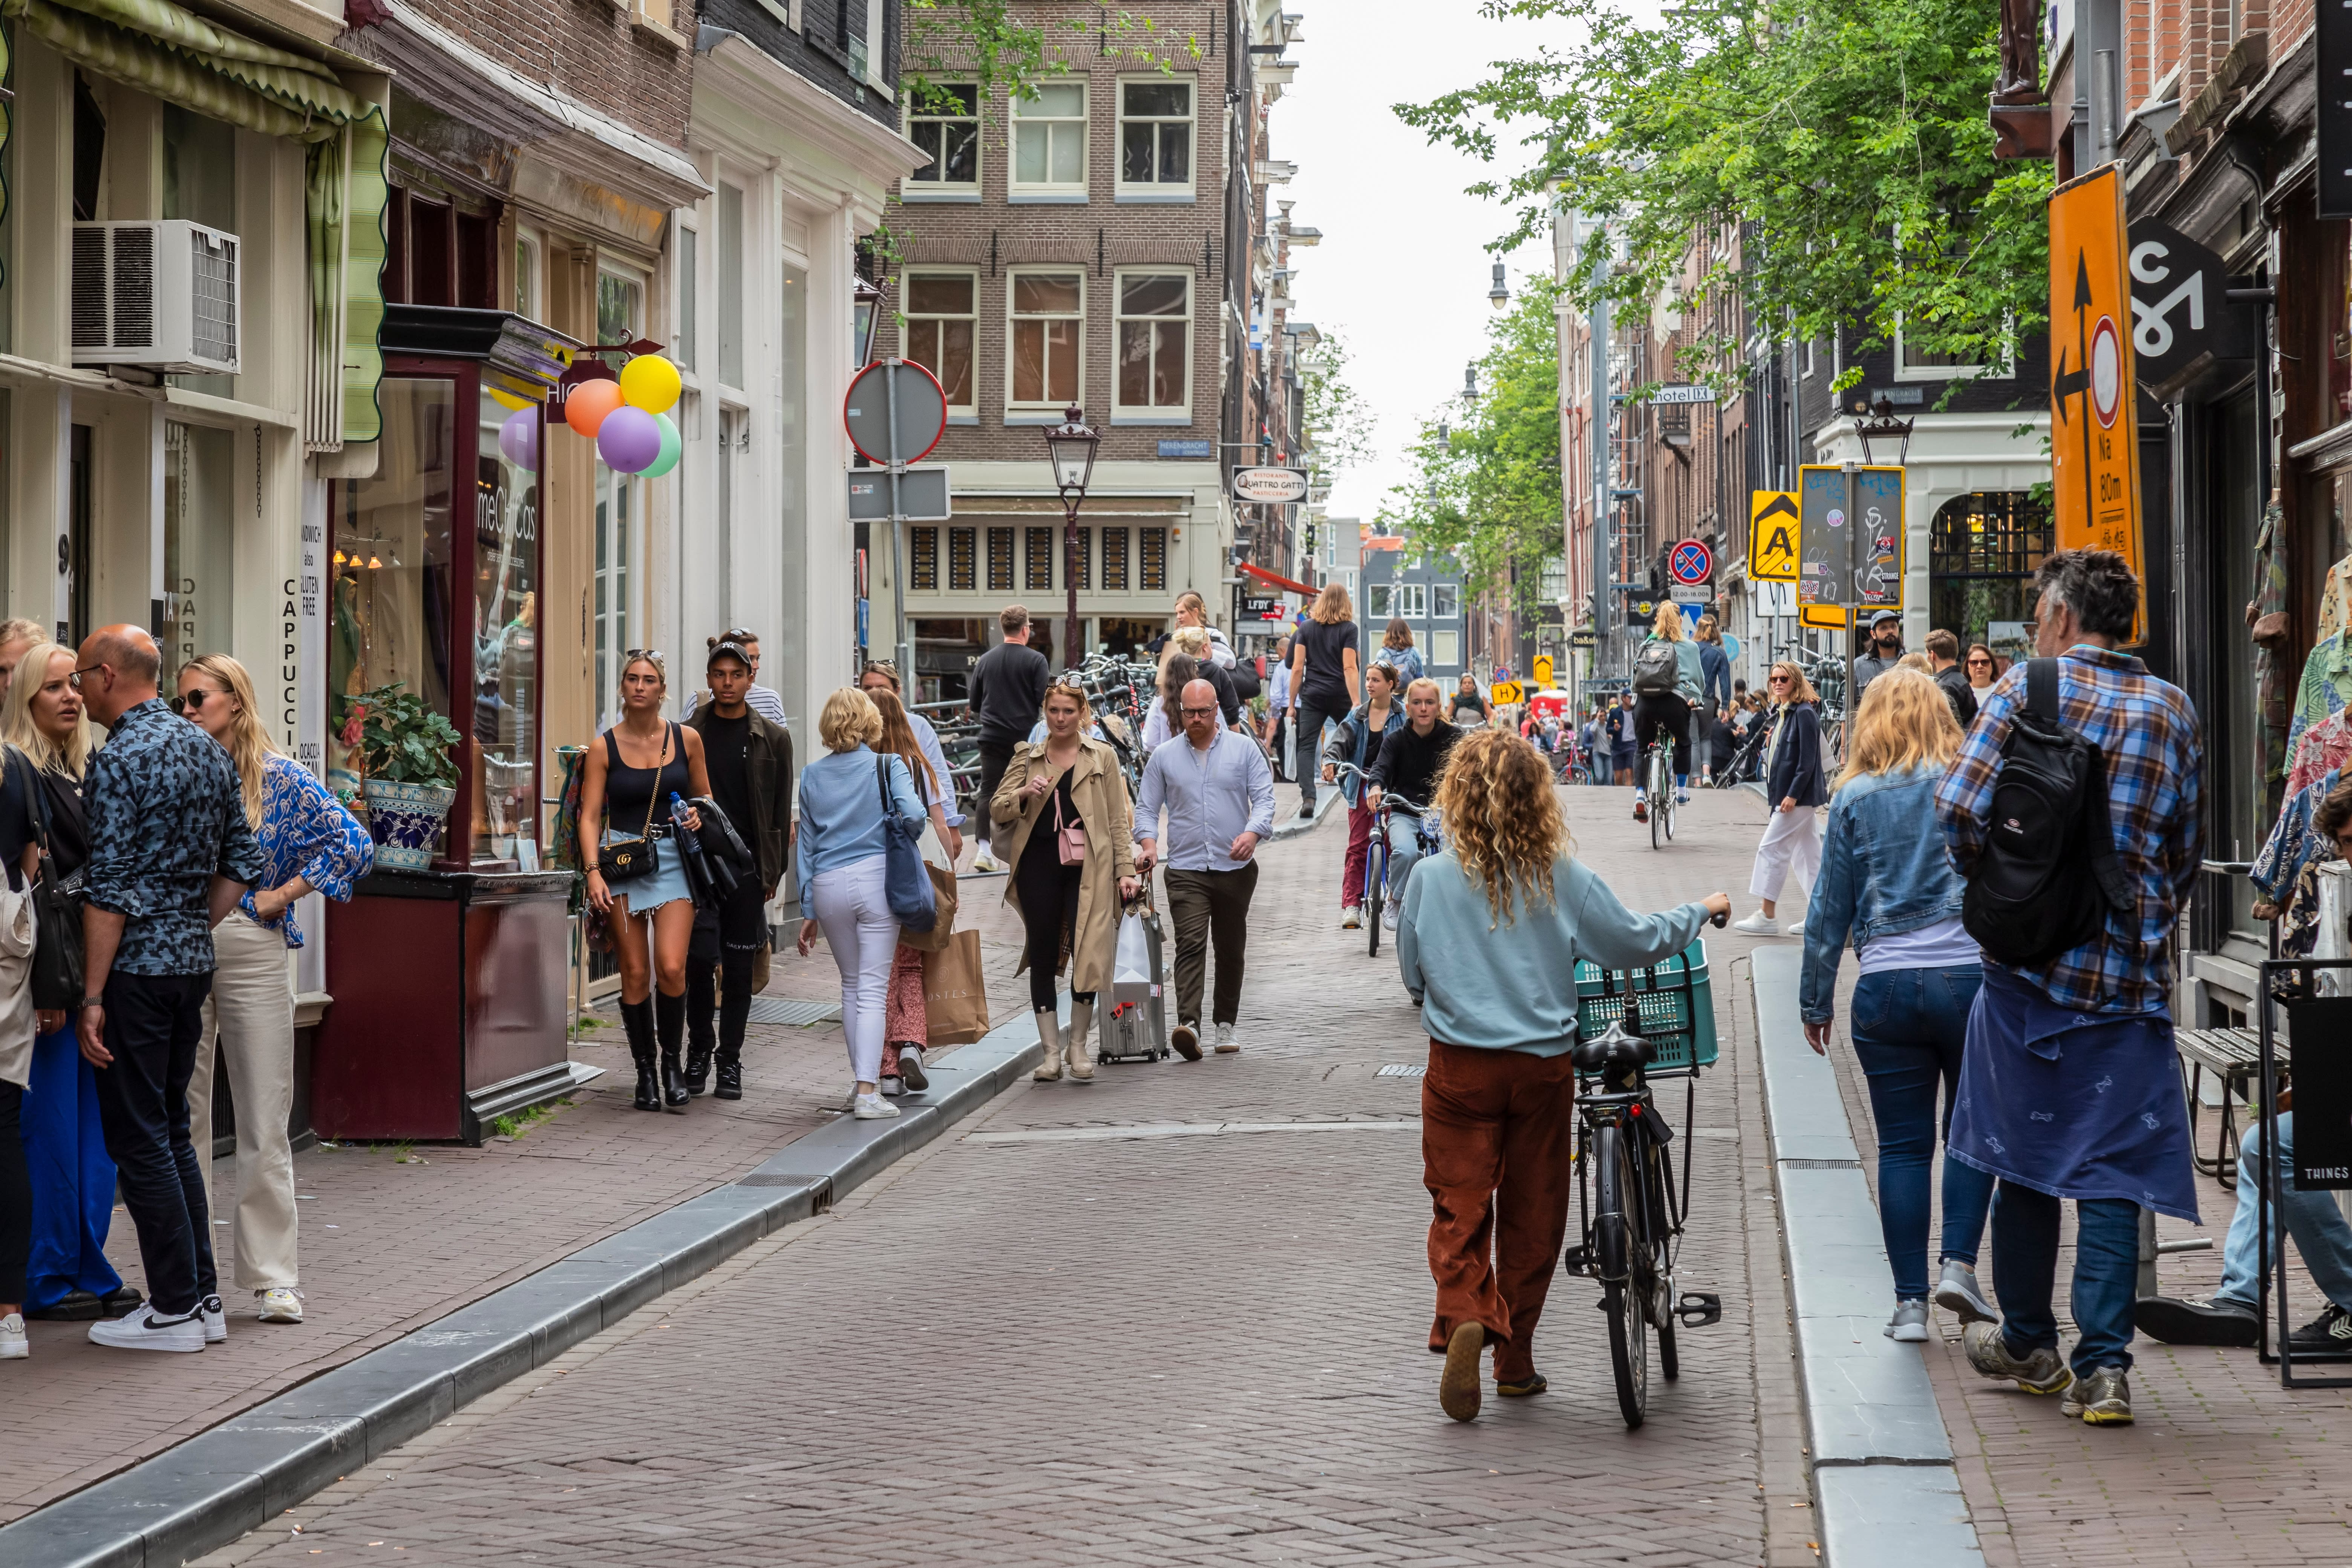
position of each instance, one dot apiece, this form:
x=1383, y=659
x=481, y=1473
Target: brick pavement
x=1146, y=1350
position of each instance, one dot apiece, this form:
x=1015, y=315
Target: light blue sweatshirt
x=1512, y=987
x=841, y=813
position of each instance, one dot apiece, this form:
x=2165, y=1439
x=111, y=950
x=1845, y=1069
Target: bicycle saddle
x=1612, y=1047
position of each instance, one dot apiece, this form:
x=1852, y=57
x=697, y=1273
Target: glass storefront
x=197, y=529
x=505, y=646
x=1983, y=551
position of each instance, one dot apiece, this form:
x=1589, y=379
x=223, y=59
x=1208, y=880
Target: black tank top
x=627, y=789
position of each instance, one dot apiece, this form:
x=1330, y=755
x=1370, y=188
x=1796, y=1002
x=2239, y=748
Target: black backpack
x=1655, y=671
x=2048, y=876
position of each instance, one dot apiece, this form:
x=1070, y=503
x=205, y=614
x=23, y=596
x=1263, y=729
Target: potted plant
x=411, y=779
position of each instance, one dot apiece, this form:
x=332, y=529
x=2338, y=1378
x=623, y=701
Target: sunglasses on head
x=183, y=706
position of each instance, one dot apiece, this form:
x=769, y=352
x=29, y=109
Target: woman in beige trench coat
x=1069, y=909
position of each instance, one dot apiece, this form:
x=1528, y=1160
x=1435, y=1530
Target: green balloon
x=671, y=447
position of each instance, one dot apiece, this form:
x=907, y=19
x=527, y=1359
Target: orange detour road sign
x=2093, y=431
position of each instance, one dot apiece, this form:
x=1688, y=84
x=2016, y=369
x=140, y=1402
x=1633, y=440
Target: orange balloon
x=590, y=402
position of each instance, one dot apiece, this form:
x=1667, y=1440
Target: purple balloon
x=519, y=438
x=629, y=440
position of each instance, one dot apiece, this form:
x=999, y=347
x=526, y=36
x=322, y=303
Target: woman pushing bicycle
x=1494, y=925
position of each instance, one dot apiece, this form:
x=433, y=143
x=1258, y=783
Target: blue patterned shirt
x=2155, y=761
x=305, y=832
x=165, y=812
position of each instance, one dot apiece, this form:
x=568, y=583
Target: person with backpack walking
x=2091, y=770
x=1668, y=677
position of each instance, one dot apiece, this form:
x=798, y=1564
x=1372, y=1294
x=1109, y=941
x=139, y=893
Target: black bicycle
x=1631, y=1206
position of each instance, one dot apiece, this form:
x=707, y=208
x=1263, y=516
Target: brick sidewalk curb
x=1291, y=826
x=1884, y=1486
x=213, y=1488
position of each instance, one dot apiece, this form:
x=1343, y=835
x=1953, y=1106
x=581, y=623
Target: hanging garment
x=2269, y=625
x=2325, y=688
x=2334, y=596
x=2321, y=748
x=2293, y=842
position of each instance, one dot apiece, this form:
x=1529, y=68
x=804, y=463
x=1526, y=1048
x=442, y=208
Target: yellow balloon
x=649, y=382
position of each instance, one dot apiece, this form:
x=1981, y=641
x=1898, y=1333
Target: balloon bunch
x=627, y=418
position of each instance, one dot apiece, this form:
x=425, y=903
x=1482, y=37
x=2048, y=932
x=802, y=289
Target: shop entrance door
x=74, y=549
x=2240, y=815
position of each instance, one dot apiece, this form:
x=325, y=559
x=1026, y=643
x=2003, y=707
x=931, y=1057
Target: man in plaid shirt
x=2068, y=1087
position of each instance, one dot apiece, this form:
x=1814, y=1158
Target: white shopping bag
x=1131, y=965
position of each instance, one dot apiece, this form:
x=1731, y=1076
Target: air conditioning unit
x=160, y=295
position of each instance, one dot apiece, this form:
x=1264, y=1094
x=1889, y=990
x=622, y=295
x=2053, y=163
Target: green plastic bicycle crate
x=1674, y=1007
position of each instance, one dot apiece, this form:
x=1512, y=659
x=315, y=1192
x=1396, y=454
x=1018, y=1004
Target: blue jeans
x=1909, y=1026
x=2106, y=1274
x=2321, y=1232
x=1404, y=854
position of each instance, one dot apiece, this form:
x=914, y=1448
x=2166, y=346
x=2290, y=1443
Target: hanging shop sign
x=1772, y=536
x=1266, y=485
x=2093, y=431
x=2181, y=313
x=1681, y=392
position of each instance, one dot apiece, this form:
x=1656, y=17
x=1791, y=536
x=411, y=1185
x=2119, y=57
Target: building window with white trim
x=942, y=317
x=1047, y=329
x=1913, y=363
x=1411, y=601
x=1155, y=136
x=944, y=121
x=1155, y=310
x=1444, y=649
x=1049, y=141
x=1449, y=601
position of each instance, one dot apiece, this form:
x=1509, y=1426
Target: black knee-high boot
x=669, y=1018
x=637, y=1018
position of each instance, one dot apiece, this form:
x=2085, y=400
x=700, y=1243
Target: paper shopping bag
x=955, y=997
x=943, y=899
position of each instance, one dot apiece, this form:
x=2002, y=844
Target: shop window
x=1153, y=559
x=199, y=478
x=1049, y=141
x=1114, y=560
x=1983, y=549
x=999, y=560
x=1155, y=312
x=961, y=550
x=1042, y=546
x=942, y=318
x=1047, y=329
x=620, y=511
x=506, y=647
x=945, y=123
x=1155, y=137
x=922, y=560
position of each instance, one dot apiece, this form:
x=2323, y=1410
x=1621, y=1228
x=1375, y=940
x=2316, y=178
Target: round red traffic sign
x=1691, y=562
x=2107, y=371
x=920, y=404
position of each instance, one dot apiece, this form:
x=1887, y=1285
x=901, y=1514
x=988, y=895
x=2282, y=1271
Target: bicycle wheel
x=1623, y=1238
x=1376, y=876
x=1662, y=801
x=1660, y=1292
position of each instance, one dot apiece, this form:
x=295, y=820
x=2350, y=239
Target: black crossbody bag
x=57, y=973
x=627, y=859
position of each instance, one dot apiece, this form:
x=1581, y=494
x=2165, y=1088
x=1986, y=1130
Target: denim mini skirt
x=646, y=894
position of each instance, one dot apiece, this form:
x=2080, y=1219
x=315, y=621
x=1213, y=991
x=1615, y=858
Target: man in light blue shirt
x=1218, y=792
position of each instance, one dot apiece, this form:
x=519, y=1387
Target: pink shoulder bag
x=1069, y=837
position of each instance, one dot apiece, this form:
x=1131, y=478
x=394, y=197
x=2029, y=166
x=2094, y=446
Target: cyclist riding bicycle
x=1668, y=676
x=1410, y=761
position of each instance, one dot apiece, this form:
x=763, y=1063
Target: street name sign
x=1269, y=485
x=2093, y=430
x=1772, y=536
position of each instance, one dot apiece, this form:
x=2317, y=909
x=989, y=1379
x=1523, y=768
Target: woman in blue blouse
x=311, y=845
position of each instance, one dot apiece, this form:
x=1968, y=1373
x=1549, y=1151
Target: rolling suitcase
x=1133, y=1024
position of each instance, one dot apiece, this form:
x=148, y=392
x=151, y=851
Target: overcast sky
x=1403, y=271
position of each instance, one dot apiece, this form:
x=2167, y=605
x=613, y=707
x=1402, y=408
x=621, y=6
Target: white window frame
x=915, y=187
x=1437, y=600
x=531, y=298
x=1157, y=190
x=1411, y=601
x=1052, y=127
x=1377, y=598
x=1445, y=647
x=1148, y=413
x=1906, y=371
x=969, y=411
x=1048, y=411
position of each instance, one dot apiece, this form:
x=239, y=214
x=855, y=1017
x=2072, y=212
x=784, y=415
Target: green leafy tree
x=1001, y=44
x=1487, y=490
x=1338, y=420
x=1844, y=141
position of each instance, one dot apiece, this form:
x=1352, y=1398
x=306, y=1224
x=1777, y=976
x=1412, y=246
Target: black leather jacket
x=769, y=831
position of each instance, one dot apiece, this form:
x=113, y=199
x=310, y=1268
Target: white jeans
x=1792, y=843
x=852, y=905
x=252, y=1006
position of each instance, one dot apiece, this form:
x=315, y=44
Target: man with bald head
x=170, y=854
x=1218, y=792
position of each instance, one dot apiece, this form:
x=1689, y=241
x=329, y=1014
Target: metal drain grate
x=1404, y=1070
x=782, y=1010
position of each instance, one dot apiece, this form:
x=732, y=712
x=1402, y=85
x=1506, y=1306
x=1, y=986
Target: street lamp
x=866, y=299
x=1470, y=382
x=1070, y=445
x=1500, y=294
x=1884, y=427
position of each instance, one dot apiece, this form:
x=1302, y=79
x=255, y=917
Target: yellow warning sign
x=1506, y=693
x=1772, y=536
x=1831, y=617
x=1543, y=670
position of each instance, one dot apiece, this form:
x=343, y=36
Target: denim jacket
x=1885, y=871
x=1352, y=741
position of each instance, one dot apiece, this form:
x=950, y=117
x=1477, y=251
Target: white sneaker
x=281, y=1305
x=1352, y=918
x=984, y=861
x=214, y=1318
x=1225, y=1043
x=1758, y=924
x=892, y=1087
x=1388, y=916
x=14, y=1345
x=148, y=1329
x=910, y=1069
x=873, y=1107
x=1794, y=928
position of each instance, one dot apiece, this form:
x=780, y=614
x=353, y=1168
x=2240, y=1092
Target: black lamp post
x=1071, y=447
x=1882, y=426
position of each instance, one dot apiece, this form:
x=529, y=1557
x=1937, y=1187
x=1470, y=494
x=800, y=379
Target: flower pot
x=403, y=818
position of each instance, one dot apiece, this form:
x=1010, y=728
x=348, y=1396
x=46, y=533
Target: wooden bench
x=2233, y=1056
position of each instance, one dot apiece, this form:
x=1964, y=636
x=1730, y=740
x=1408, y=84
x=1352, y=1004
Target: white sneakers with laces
x=148, y=1330
x=873, y=1107
x=1388, y=915
x=1226, y=1045
x=281, y=1304
x=1352, y=918
x=1758, y=924
x=14, y=1345
x=214, y=1315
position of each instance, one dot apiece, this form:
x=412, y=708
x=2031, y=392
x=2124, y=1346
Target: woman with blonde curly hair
x=1887, y=880
x=1494, y=925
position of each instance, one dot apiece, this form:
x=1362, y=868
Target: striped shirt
x=2147, y=732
